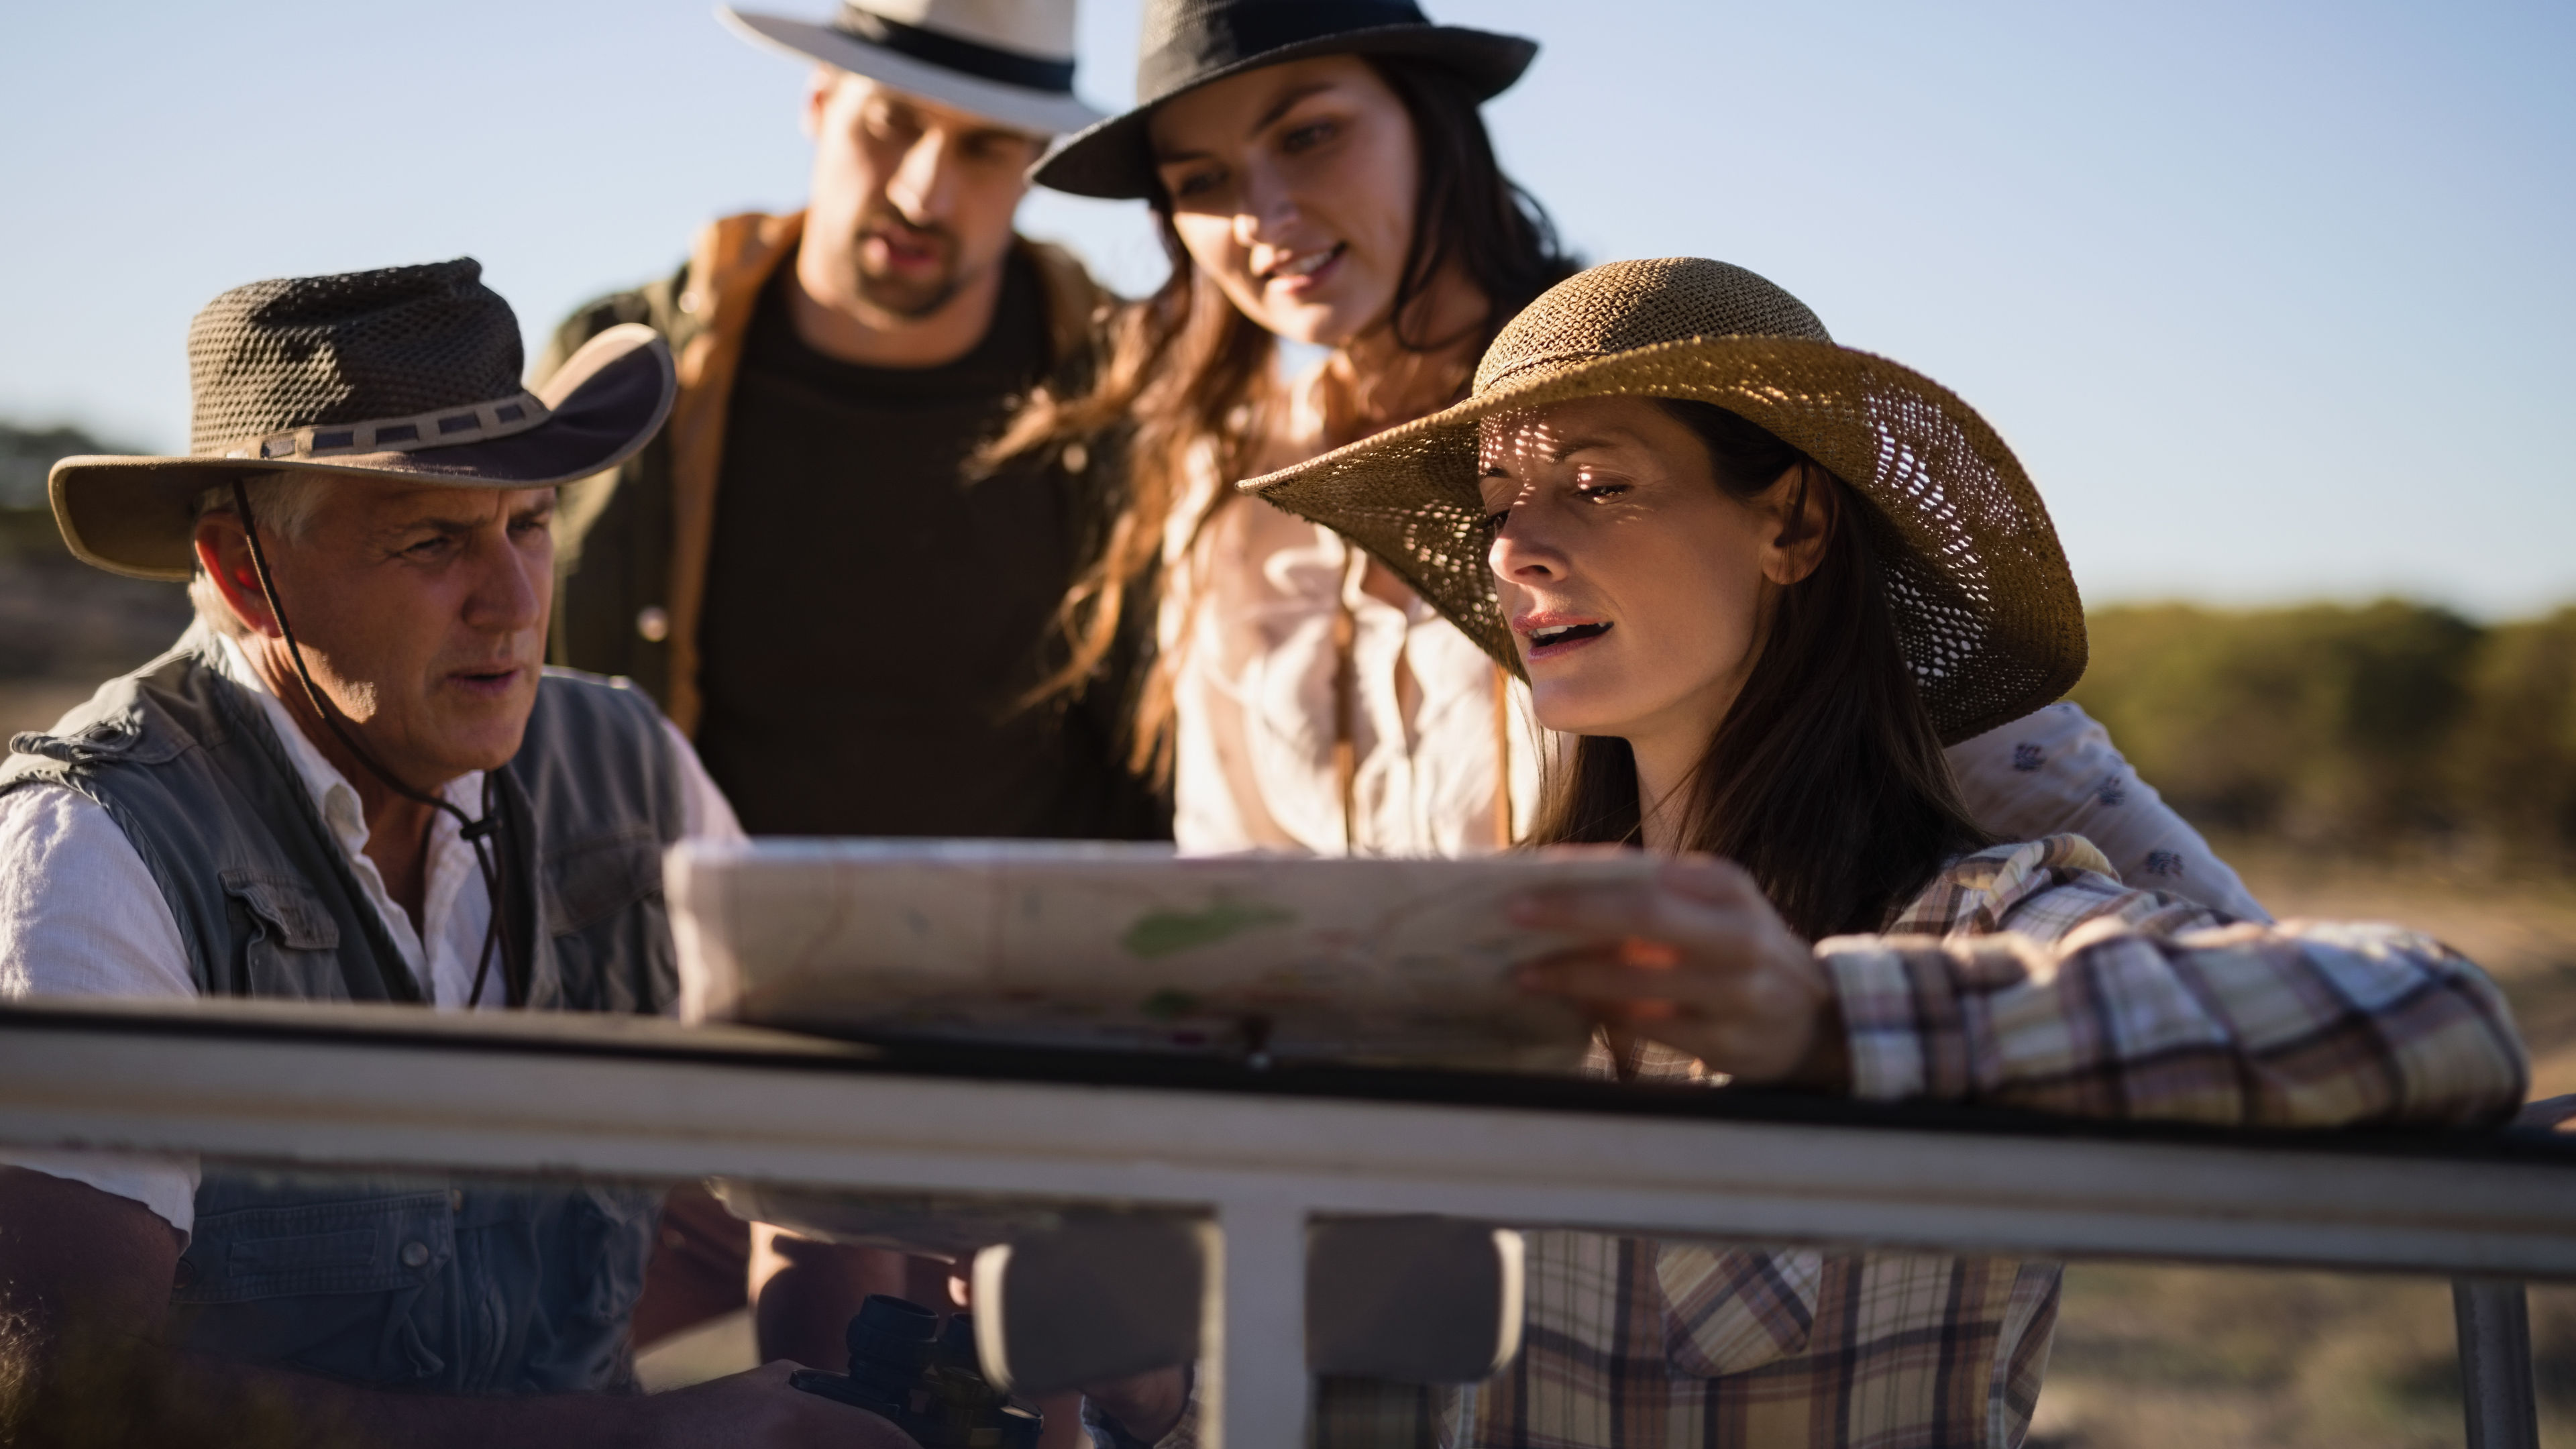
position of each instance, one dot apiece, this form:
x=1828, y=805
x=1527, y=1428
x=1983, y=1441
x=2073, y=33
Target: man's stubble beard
x=909, y=301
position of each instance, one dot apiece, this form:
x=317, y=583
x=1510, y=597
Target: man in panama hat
x=798, y=568
x=352, y=780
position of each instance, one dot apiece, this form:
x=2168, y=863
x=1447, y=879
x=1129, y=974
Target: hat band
x=1236, y=34
x=443, y=428
x=949, y=52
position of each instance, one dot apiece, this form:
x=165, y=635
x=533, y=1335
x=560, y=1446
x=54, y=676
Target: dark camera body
x=904, y=1368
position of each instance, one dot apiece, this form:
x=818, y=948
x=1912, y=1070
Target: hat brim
x=1040, y=113
x=1114, y=159
x=1984, y=603
x=137, y=516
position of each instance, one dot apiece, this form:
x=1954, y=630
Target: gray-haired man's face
x=422, y=613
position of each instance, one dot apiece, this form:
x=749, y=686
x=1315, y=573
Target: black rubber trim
x=952, y=1060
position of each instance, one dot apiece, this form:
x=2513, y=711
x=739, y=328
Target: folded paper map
x=1132, y=947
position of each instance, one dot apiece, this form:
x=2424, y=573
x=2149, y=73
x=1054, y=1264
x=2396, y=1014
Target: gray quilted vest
x=413, y=1282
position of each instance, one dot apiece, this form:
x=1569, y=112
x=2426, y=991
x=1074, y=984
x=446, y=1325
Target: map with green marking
x=1160, y=933
x=1131, y=947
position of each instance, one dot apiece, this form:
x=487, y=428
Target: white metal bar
x=1262, y=1311
x=464, y=1096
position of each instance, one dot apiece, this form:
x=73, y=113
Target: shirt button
x=653, y=622
x=415, y=1254
x=456, y=1199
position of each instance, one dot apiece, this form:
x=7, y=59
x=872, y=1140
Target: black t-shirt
x=872, y=617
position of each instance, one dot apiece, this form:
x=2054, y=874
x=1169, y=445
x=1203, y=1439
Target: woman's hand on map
x=1698, y=961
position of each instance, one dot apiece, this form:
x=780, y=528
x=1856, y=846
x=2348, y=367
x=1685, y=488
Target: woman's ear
x=1800, y=505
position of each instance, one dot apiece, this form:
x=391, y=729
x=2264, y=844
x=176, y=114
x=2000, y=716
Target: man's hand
x=69, y=1251
x=1700, y=962
x=805, y=1291
x=757, y=1410
x=1148, y=1405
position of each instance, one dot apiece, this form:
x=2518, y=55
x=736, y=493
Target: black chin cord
x=479, y=834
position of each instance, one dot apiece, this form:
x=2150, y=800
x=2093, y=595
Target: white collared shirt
x=1250, y=622
x=1251, y=607
x=81, y=916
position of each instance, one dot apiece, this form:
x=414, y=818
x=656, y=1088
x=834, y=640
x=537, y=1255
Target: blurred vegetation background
x=2391, y=761
x=2391, y=731
x=2385, y=730
x=64, y=626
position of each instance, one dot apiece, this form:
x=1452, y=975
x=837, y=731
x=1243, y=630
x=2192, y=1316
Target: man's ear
x=223, y=552
x=1801, y=506
x=819, y=88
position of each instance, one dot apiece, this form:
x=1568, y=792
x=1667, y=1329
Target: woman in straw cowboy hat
x=1762, y=580
x=1322, y=174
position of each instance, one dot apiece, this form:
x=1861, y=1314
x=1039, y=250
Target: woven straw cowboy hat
x=1984, y=605
x=1009, y=61
x=404, y=372
x=1187, y=44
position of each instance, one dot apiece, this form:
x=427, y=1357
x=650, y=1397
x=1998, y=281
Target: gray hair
x=284, y=504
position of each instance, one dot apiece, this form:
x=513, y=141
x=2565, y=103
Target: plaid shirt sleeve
x=2028, y=976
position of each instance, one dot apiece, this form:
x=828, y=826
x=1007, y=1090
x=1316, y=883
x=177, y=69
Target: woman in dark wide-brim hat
x=1762, y=579
x=1385, y=232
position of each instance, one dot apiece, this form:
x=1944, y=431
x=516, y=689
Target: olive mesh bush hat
x=1187, y=44
x=406, y=372
x=1984, y=604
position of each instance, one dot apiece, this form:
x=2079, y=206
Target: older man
x=353, y=781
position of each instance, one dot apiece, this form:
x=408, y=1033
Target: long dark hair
x=1184, y=370
x=1826, y=779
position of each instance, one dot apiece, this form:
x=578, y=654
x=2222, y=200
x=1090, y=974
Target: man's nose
x=509, y=593
x=923, y=188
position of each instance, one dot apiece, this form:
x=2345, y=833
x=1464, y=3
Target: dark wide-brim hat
x=410, y=373
x=1192, y=43
x=1984, y=604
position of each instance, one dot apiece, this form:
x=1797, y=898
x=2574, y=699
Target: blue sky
x=2274, y=300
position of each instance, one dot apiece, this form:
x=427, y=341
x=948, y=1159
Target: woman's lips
x=1561, y=639
x=1305, y=273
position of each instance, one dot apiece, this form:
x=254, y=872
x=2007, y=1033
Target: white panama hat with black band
x=1009, y=61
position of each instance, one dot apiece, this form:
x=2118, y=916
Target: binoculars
x=904, y=1368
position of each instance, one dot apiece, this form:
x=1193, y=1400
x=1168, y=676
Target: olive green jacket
x=631, y=546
